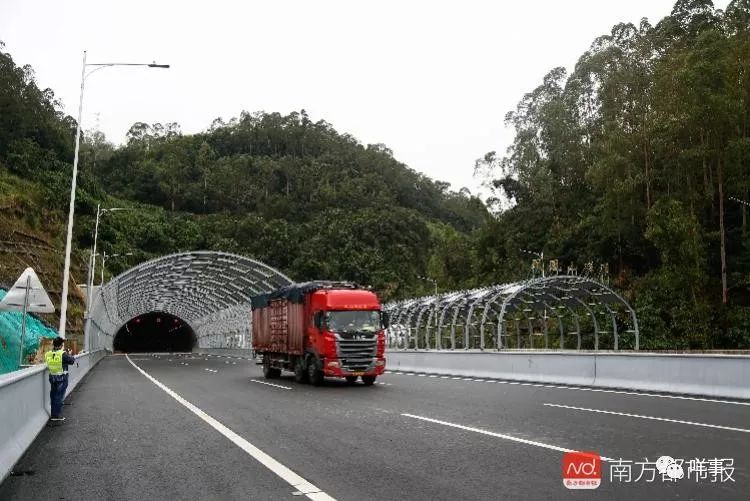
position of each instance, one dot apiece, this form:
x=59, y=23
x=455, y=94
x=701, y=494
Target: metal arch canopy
x=208, y=290
x=540, y=300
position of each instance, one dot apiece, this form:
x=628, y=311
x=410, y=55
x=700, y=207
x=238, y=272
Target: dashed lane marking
x=497, y=435
x=270, y=384
x=296, y=481
x=653, y=418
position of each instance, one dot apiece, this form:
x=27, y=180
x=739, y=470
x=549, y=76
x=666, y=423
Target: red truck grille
x=357, y=354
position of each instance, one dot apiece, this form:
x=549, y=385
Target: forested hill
x=283, y=189
x=275, y=166
x=629, y=165
x=295, y=194
x=632, y=160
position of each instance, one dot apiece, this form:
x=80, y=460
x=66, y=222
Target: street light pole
x=71, y=209
x=92, y=271
x=434, y=282
x=104, y=261
x=69, y=237
x=92, y=263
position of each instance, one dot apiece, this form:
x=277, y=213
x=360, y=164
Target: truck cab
x=347, y=332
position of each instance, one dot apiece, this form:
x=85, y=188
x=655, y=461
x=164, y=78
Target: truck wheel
x=314, y=374
x=351, y=379
x=369, y=380
x=268, y=371
x=300, y=371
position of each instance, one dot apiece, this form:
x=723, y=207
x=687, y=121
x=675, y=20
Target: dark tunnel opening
x=154, y=332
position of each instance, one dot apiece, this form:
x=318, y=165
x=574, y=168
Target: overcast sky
x=432, y=80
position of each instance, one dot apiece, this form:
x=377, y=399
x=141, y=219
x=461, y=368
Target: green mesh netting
x=10, y=337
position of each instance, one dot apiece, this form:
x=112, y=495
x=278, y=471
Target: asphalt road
x=410, y=437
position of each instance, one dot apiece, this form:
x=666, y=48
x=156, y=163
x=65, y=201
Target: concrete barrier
x=25, y=406
x=543, y=367
x=726, y=376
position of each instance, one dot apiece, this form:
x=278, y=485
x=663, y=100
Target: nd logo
x=581, y=470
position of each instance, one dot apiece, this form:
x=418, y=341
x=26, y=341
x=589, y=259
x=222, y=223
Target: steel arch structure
x=488, y=317
x=210, y=291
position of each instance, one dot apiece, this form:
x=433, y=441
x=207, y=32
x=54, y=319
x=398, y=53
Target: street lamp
x=71, y=209
x=105, y=257
x=434, y=282
x=92, y=260
x=92, y=269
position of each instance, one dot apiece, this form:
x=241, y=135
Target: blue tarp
x=10, y=337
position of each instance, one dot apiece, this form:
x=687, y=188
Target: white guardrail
x=25, y=409
x=715, y=375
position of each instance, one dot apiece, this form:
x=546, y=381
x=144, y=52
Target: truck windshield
x=353, y=321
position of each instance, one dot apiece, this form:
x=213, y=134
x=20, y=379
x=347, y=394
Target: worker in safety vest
x=57, y=361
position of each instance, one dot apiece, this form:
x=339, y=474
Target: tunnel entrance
x=154, y=332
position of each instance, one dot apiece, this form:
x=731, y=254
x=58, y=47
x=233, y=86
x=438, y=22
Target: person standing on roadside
x=57, y=361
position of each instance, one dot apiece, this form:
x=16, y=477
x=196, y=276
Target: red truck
x=320, y=329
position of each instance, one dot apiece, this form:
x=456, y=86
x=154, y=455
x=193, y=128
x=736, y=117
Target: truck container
x=320, y=329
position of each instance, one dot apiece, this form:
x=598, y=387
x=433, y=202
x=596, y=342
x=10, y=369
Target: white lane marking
x=432, y=375
x=443, y=377
x=293, y=479
x=498, y=435
x=270, y=384
x=605, y=390
x=653, y=418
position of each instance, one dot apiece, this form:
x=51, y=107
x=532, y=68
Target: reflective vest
x=54, y=360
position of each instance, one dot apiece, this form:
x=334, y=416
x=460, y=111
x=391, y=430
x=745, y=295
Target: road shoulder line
x=296, y=481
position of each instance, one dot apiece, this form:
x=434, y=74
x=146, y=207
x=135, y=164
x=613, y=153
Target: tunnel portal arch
x=209, y=291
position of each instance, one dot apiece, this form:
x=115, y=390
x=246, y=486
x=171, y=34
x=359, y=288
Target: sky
x=432, y=80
